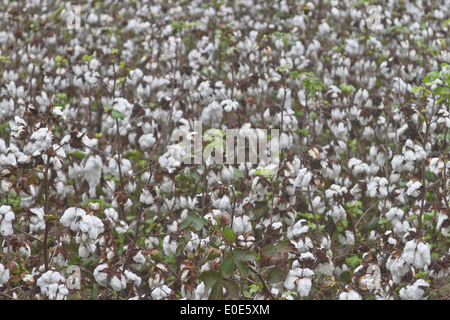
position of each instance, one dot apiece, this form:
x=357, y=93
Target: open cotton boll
x=146, y=141
x=52, y=285
x=414, y=188
x=161, y=292
x=300, y=279
x=4, y=275
x=71, y=218
x=349, y=294
x=101, y=274
x=37, y=222
x=417, y=253
x=415, y=291
x=169, y=246
x=93, y=173
x=242, y=224
x=6, y=218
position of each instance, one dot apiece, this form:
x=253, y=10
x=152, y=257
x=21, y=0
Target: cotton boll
x=349, y=294
x=101, y=274
x=93, y=173
x=6, y=218
x=242, y=224
x=300, y=279
x=37, y=222
x=414, y=188
x=298, y=228
x=4, y=275
x=146, y=141
x=71, y=218
x=52, y=285
x=118, y=282
x=169, y=246
x=160, y=293
x=417, y=253
x=415, y=291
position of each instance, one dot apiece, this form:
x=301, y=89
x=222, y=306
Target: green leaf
x=353, y=261
x=116, y=114
x=432, y=76
x=242, y=268
x=227, y=266
x=216, y=291
x=78, y=154
x=232, y=289
x=194, y=221
x=228, y=233
x=276, y=275
x=210, y=278
x=295, y=74
x=243, y=255
x=440, y=91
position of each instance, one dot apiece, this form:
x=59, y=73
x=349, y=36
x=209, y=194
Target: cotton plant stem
x=46, y=208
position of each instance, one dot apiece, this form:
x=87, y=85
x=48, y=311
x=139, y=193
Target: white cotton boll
x=436, y=166
x=300, y=279
x=160, y=292
x=201, y=293
x=85, y=249
x=415, y=291
x=317, y=205
x=377, y=188
x=349, y=295
x=93, y=173
x=131, y=277
x=147, y=196
x=335, y=191
x=229, y=105
x=111, y=214
x=401, y=227
x=394, y=214
x=227, y=173
x=41, y=140
x=441, y=219
x=52, y=285
x=303, y=178
x=101, y=274
x=113, y=166
x=4, y=275
x=192, y=244
x=413, y=188
x=169, y=246
x=300, y=227
x=417, y=253
x=347, y=239
x=71, y=218
x=37, y=222
x=397, y=266
x=118, y=282
x=146, y=141
x=398, y=162
x=242, y=224
x=6, y=218
x=91, y=225
x=357, y=166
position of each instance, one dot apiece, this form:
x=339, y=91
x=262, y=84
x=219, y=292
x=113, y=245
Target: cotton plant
x=86, y=154
x=52, y=285
x=87, y=228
